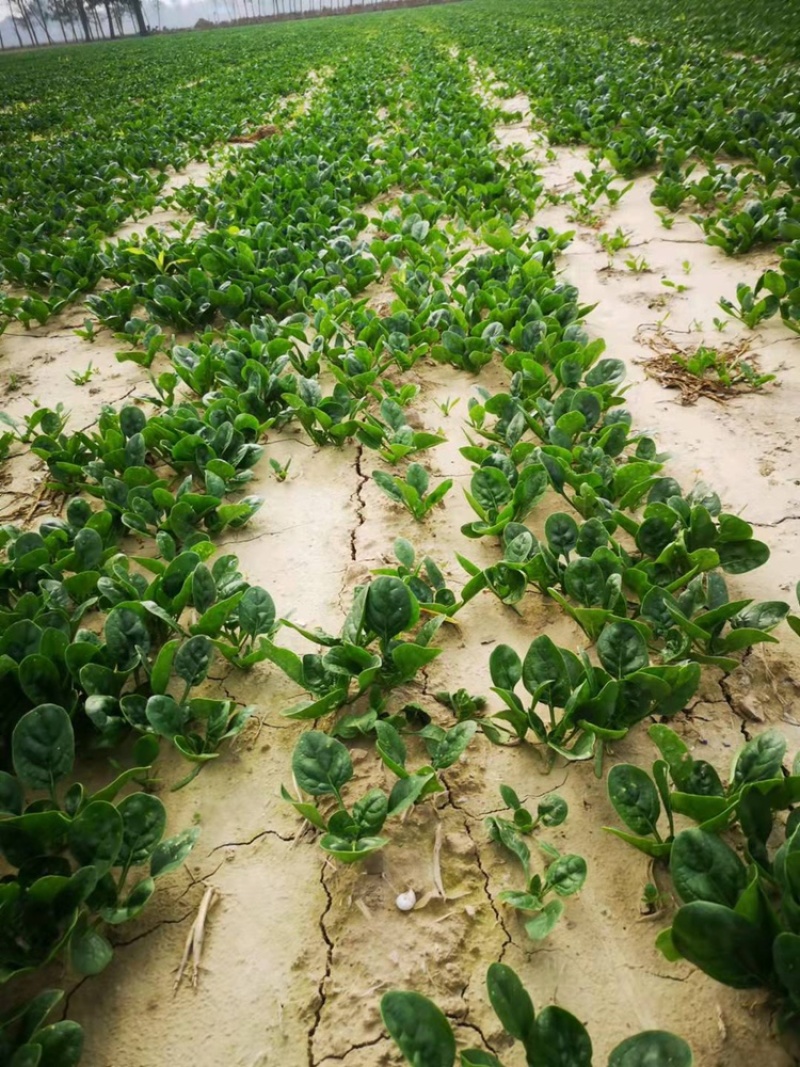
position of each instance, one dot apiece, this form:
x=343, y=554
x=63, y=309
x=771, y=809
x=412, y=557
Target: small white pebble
x=471, y=910
x=406, y=901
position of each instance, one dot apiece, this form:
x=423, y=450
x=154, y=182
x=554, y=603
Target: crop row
x=98, y=644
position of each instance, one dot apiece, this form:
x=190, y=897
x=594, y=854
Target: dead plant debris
x=720, y=372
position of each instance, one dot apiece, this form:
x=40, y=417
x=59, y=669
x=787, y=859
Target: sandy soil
x=299, y=951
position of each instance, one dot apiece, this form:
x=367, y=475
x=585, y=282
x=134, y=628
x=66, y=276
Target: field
x=398, y=595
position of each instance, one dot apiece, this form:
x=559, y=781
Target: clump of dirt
x=259, y=134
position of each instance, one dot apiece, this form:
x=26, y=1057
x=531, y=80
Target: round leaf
x=653, y=1048
x=95, y=836
x=143, y=821
x=565, y=1038
x=635, y=798
x=321, y=764
x=704, y=868
x=43, y=746
x=390, y=608
x=567, y=874
x=622, y=649
x=419, y=1028
x=193, y=659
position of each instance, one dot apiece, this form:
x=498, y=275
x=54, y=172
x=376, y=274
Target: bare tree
x=135, y=8
x=25, y=18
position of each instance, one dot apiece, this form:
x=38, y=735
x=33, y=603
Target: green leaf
x=567, y=874
x=193, y=659
x=511, y=1002
x=39, y=679
x=419, y=1028
x=445, y=753
x=126, y=633
x=622, y=649
x=371, y=811
x=404, y=551
x=166, y=716
x=61, y=1044
x=760, y=759
x=786, y=957
x=739, y=557
x=256, y=612
x=321, y=764
x=390, y=607
x=391, y=748
x=505, y=667
x=162, y=667
x=561, y=1040
x=43, y=746
x=143, y=821
x=475, y=1057
x=704, y=868
x=635, y=798
x=722, y=944
x=544, y=666
x=95, y=836
x=170, y=854
x=552, y=810
x=652, y=1048
x=89, y=951
x=561, y=532
x=12, y=795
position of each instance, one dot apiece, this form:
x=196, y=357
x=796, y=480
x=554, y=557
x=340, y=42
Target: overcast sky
x=173, y=13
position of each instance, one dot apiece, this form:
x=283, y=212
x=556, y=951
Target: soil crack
x=471, y=1026
x=152, y=930
x=321, y=988
x=252, y=841
x=786, y=518
x=724, y=686
x=353, y=1048
x=485, y=875
x=360, y=502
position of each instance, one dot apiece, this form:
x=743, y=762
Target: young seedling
x=412, y=491
x=613, y=243
x=83, y=377
x=423, y=577
x=280, y=470
x=677, y=286
x=463, y=704
x=563, y=875
x=748, y=308
x=446, y=406
x=637, y=264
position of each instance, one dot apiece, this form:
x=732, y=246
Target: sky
x=174, y=14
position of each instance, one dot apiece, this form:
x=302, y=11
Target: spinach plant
x=425, y=1038
x=412, y=490
x=757, y=788
x=370, y=656
x=76, y=859
x=563, y=875
x=27, y=1038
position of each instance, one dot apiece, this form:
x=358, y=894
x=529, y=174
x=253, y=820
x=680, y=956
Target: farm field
x=399, y=530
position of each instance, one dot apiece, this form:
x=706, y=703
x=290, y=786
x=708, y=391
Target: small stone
x=406, y=901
